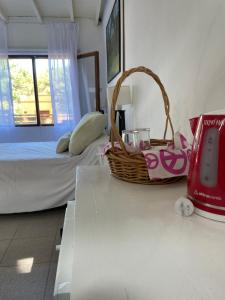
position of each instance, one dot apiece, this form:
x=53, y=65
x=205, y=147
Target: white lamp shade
x=124, y=97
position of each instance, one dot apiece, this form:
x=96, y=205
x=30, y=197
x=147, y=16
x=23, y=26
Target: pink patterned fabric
x=169, y=161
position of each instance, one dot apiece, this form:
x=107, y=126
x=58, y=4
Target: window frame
x=32, y=57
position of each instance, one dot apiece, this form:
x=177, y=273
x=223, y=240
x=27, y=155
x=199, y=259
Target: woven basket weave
x=132, y=167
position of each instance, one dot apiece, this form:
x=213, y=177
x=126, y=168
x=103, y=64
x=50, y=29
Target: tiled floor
x=28, y=258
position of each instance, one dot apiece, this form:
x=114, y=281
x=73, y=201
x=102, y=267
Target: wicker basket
x=132, y=167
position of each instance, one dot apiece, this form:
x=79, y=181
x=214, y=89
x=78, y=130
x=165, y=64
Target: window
x=32, y=103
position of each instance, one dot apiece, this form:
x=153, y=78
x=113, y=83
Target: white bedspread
x=33, y=177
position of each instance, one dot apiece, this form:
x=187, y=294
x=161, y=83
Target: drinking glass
x=144, y=138
x=136, y=140
x=131, y=140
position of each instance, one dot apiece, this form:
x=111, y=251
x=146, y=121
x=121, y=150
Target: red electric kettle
x=206, y=178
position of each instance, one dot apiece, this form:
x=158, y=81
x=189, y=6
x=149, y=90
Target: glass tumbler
x=136, y=140
x=131, y=140
x=144, y=138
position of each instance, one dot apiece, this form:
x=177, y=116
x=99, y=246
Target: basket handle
x=114, y=131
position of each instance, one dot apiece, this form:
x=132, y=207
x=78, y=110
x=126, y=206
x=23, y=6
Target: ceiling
x=43, y=9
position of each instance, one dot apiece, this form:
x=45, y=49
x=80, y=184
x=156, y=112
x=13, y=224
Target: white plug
x=184, y=207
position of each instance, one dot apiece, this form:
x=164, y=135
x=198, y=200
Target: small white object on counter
x=184, y=207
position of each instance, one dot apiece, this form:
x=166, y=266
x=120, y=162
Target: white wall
x=27, y=35
x=184, y=43
x=91, y=39
x=34, y=36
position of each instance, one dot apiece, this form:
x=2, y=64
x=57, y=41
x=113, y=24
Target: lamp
x=124, y=98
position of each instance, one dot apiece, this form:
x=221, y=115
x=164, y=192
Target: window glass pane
x=23, y=91
x=44, y=96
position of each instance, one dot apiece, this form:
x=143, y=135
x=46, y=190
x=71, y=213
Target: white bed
x=33, y=177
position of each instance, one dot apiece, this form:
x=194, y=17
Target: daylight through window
x=32, y=103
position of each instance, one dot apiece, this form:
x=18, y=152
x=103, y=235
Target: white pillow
x=63, y=143
x=90, y=127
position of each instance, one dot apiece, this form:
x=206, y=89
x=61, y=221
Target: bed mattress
x=33, y=177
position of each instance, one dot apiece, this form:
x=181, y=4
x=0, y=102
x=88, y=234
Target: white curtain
x=87, y=91
x=6, y=106
x=63, y=70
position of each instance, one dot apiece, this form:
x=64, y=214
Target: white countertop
x=130, y=244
